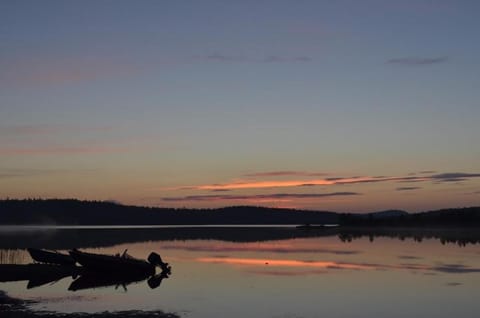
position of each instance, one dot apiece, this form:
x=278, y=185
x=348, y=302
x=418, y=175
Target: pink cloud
x=61, y=150
x=46, y=129
x=276, y=197
x=49, y=71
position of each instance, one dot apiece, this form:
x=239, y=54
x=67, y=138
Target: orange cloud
x=294, y=183
x=262, y=184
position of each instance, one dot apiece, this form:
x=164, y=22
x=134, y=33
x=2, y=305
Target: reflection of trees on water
x=64, y=239
x=460, y=237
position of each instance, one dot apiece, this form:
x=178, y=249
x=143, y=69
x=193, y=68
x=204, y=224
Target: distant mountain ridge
x=77, y=212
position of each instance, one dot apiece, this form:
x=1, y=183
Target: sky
x=348, y=106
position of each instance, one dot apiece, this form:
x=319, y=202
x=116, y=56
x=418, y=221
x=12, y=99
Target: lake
x=262, y=272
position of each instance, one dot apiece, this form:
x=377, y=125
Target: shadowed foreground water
x=17, y=308
x=260, y=273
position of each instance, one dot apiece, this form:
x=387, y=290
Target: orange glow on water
x=283, y=263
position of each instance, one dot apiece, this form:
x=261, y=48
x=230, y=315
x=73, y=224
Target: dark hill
x=461, y=217
x=76, y=212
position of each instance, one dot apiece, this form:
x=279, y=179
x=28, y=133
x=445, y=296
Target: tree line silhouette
x=463, y=217
x=76, y=212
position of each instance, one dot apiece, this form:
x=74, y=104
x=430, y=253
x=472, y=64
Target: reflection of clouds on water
x=409, y=257
x=455, y=269
x=284, y=263
x=264, y=247
x=287, y=273
x=333, y=265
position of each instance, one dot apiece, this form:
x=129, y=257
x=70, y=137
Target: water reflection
x=36, y=274
x=65, y=239
x=335, y=265
x=13, y=307
x=42, y=274
x=279, y=247
x=89, y=280
x=374, y=272
x=458, y=236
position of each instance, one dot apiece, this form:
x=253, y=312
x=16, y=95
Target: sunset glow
x=202, y=105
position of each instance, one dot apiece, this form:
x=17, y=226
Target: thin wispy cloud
x=330, y=181
x=280, y=59
x=61, y=150
x=28, y=129
x=285, y=173
x=46, y=139
x=418, y=61
x=455, y=269
x=47, y=129
x=26, y=172
x=224, y=58
x=15, y=173
x=407, y=188
x=454, y=176
x=49, y=71
x=422, y=172
x=276, y=196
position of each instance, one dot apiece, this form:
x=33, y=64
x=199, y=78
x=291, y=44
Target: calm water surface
x=294, y=275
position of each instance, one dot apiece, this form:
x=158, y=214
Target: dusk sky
x=323, y=105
